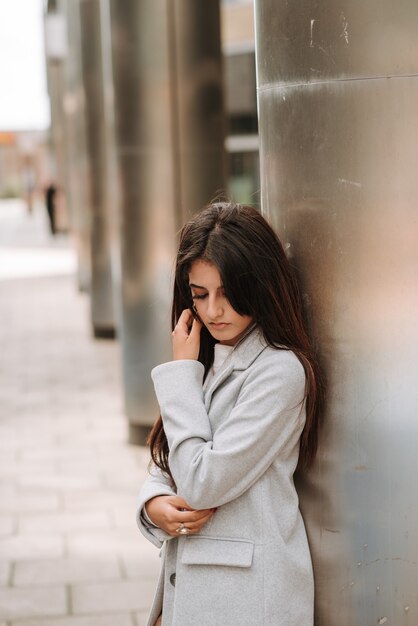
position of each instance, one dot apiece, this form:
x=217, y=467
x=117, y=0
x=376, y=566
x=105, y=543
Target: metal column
x=199, y=121
x=337, y=95
x=101, y=289
x=169, y=151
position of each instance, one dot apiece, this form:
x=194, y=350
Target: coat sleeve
x=264, y=421
x=156, y=484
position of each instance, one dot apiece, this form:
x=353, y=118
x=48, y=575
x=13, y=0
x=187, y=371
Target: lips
x=219, y=326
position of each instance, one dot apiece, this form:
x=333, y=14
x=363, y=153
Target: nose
x=215, y=308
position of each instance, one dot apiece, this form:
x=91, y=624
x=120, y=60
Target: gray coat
x=234, y=446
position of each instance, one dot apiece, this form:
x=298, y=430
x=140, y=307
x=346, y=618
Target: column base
x=138, y=434
x=104, y=332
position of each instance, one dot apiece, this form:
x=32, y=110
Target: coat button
x=173, y=579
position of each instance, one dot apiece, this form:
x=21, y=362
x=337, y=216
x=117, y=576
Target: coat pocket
x=200, y=550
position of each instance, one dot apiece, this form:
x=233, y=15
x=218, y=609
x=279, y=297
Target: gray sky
x=24, y=102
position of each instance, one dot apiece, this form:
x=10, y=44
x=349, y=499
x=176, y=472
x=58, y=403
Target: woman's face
x=213, y=308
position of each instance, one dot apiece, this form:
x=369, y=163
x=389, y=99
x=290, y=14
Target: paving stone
x=14, y=469
x=6, y=524
x=29, y=502
x=23, y=263
x=16, y=440
x=15, y=603
x=96, y=500
x=143, y=562
x=56, y=426
x=114, y=419
x=68, y=477
x=128, y=541
x=116, y=619
x=116, y=453
x=59, y=481
x=130, y=595
x=23, y=547
x=63, y=522
x=4, y=573
x=100, y=436
x=125, y=516
x=122, y=479
x=66, y=571
x=135, y=567
x=85, y=462
x=141, y=618
x=7, y=490
x=71, y=452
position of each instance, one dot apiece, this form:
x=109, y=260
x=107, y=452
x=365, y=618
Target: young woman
x=240, y=405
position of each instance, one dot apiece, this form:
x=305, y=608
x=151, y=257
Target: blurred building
x=24, y=164
x=10, y=181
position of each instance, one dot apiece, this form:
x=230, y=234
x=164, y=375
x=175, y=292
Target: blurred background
x=118, y=121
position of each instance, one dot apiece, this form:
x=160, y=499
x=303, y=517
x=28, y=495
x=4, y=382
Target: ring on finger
x=182, y=529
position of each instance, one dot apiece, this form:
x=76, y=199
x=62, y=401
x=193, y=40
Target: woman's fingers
x=184, y=321
x=198, y=525
x=193, y=521
x=195, y=330
x=191, y=526
x=187, y=514
x=186, y=337
x=196, y=520
x=172, y=513
x=194, y=516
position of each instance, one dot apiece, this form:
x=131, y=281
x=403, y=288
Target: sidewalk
x=70, y=553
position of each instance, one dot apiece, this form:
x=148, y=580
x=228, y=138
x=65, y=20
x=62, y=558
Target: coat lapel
x=241, y=357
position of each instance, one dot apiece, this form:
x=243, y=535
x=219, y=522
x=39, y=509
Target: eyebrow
x=201, y=287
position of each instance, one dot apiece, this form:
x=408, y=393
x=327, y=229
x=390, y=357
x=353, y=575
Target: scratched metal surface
x=321, y=40
x=339, y=163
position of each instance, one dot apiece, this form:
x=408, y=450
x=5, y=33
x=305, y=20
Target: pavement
x=70, y=553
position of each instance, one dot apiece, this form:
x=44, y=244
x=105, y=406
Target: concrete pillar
x=338, y=87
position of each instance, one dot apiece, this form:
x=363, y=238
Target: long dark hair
x=259, y=281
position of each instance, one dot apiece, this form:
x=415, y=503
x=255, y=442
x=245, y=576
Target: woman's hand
x=170, y=512
x=186, y=337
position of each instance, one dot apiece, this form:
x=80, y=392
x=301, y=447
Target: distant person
x=29, y=182
x=50, y=194
x=240, y=406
